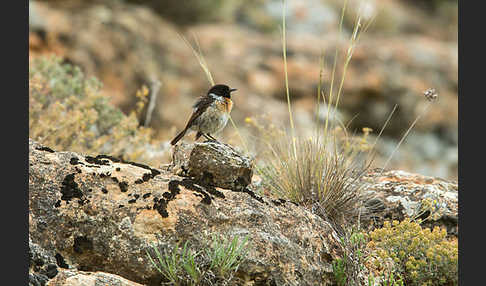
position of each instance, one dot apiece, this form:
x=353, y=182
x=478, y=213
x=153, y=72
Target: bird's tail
x=178, y=137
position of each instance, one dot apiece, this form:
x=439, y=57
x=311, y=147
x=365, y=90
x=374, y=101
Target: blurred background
x=411, y=46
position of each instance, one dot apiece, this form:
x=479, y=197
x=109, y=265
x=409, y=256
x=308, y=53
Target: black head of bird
x=221, y=90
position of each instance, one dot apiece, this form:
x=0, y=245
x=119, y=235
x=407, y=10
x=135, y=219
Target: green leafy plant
x=177, y=265
x=189, y=264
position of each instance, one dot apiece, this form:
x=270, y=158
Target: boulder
x=43, y=264
x=101, y=214
x=396, y=195
x=83, y=278
x=214, y=163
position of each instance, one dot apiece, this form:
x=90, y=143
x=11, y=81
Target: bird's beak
x=233, y=89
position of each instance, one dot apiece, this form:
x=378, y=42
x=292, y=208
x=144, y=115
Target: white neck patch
x=214, y=96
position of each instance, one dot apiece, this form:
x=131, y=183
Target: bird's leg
x=206, y=136
x=210, y=138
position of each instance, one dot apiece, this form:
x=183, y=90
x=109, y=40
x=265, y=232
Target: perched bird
x=210, y=113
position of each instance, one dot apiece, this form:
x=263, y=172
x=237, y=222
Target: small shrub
x=67, y=111
x=419, y=255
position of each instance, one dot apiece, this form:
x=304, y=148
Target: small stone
x=214, y=163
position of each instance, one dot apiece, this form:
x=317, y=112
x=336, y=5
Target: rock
x=36, y=279
x=83, y=278
x=101, y=214
x=35, y=22
x=215, y=164
x=42, y=264
x=312, y=16
x=399, y=195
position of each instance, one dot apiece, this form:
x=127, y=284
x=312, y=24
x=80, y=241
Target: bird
x=210, y=113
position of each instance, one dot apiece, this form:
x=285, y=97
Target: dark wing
x=199, y=107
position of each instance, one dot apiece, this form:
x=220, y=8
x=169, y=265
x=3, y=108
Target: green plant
x=225, y=256
x=339, y=271
x=420, y=255
x=347, y=269
x=184, y=266
x=189, y=264
x=168, y=263
x=177, y=265
x=322, y=172
x=315, y=173
x=386, y=280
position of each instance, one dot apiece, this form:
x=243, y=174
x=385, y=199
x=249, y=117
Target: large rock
x=102, y=214
x=396, y=195
x=43, y=264
x=83, y=278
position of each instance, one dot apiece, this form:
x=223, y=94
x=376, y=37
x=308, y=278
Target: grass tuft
x=322, y=172
x=214, y=265
x=319, y=175
x=226, y=256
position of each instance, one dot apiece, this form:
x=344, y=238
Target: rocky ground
x=92, y=219
x=411, y=46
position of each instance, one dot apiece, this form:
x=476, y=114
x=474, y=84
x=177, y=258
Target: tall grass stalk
x=331, y=85
x=284, y=50
x=319, y=91
x=200, y=58
x=321, y=172
x=405, y=135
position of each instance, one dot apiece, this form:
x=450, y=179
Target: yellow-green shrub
x=67, y=111
x=420, y=255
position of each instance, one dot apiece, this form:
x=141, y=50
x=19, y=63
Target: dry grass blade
x=284, y=50
x=405, y=135
x=199, y=57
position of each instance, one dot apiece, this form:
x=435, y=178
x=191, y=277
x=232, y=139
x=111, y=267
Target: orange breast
x=228, y=104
